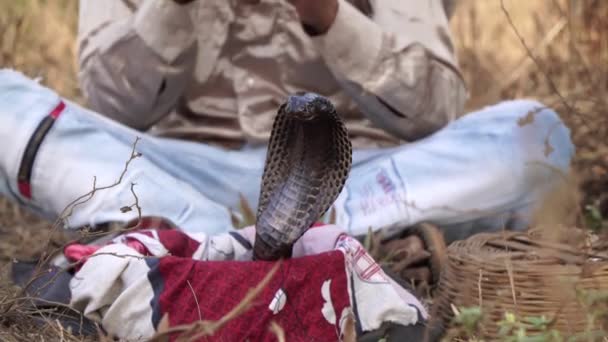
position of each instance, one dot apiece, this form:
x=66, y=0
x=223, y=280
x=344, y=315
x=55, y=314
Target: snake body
x=308, y=160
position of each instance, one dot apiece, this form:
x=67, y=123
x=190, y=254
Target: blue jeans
x=486, y=171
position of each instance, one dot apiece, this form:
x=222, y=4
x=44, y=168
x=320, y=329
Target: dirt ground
x=555, y=51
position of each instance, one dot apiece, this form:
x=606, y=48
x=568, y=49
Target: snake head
x=308, y=106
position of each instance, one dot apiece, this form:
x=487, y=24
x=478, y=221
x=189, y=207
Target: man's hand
x=317, y=14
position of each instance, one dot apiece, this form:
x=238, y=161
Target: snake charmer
x=200, y=82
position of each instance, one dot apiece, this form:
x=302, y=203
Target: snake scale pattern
x=308, y=160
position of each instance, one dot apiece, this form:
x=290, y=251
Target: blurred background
x=552, y=50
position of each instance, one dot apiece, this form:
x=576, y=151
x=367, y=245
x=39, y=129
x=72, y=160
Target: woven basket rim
x=523, y=273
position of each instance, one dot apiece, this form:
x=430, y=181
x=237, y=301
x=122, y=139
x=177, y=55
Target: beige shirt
x=217, y=70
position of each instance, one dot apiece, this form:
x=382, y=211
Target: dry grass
x=38, y=38
x=568, y=41
x=564, y=63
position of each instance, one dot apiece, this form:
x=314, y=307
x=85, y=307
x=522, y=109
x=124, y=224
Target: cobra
x=308, y=161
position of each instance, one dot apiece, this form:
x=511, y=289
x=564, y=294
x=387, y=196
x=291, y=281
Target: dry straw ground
x=552, y=50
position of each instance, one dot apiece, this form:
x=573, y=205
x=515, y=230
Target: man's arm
x=397, y=63
x=135, y=61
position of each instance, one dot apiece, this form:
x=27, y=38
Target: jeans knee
x=545, y=144
x=544, y=126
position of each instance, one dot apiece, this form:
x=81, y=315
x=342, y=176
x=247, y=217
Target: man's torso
x=265, y=55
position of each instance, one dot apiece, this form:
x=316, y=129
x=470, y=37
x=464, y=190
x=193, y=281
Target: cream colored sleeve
x=135, y=57
x=398, y=64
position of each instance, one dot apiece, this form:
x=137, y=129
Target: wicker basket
x=521, y=273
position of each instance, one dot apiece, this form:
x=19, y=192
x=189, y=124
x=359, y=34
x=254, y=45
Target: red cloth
x=188, y=279
x=220, y=286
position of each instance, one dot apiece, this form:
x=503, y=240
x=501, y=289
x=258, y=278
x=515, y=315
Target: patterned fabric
x=313, y=305
x=130, y=284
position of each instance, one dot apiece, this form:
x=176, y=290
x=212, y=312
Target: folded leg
x=82, y=148
x=485, y=171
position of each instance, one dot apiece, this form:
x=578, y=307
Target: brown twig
x=480, y=293
x=67, y=212
x=86, y=197
x=134, y=205
x=552, y=84
x=278, y=331
x=509, y=268
x=524, y=66
x=69, y=209
x=198, y=307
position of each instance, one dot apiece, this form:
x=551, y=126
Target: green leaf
x=537, y=322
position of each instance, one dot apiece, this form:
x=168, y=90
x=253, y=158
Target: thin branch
x=198, y=307
x=67, y=212
x=134, y=205
x=86, y=197
x=524, y=65
x=539, y=65
x=278, y=331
